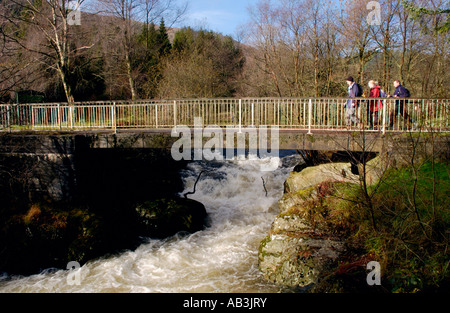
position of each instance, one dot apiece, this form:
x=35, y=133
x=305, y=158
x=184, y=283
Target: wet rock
x=165, y=217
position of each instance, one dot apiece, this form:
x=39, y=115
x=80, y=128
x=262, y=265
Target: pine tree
x=163, y=40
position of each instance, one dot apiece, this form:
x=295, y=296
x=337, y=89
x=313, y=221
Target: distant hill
x=100, y=20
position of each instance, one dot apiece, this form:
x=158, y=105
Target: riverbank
x=332, y=223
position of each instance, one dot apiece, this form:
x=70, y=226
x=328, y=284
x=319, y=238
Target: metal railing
x=288, y=113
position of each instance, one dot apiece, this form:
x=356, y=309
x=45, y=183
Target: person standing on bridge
x=354, y=90
x=374, y=105
x=400, y=92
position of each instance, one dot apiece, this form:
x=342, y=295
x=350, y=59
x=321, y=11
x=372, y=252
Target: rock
x=314, y=175
x=49, y=236
x=165, y=217
x=299, y=249
x=296, y=262
x=375, y=169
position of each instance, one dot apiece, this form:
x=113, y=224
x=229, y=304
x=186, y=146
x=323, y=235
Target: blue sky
x=223, y=16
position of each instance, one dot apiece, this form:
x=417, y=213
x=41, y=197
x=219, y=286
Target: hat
x=350, y=78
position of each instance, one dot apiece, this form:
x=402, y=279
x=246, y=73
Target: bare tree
x=45, y=30
x=410, y=45
x=357, y=33
x=385, y=36
x=125, y=24
x=265, y=34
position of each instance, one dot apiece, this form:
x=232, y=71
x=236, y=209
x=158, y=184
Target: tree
x=154, y=46
x=125, y=29
x=435, y=24
x=410, y=47
x=298, y=47
x=125, y=13
x=357, y=34
x=162, y=40
x=202, y=64
x=385, y=37
x=441, y=25
x=43, y=29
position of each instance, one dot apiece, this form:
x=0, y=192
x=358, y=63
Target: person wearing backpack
x=375, y=105
x=399, y=108
x=354, y=90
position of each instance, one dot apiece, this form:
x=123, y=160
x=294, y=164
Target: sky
x=222, y=16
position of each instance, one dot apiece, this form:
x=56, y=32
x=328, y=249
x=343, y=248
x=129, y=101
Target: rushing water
x=221, y=258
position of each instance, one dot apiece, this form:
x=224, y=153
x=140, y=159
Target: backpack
x=360, y=91
x=407, y=93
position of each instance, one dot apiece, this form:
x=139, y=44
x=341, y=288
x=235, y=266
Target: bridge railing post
x=32, y=117
x=8, y=116
x=114, y=117
x=175, y=115
x=59, y=116
x=253, y=113
x=240, y=116
x=309, y=116
x=71, y=115
x=156, y=114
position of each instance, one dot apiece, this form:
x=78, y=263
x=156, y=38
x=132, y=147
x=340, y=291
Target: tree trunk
x=130, y=78
x=66, y=86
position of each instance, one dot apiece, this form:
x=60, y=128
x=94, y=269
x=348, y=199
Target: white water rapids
x=221, y=258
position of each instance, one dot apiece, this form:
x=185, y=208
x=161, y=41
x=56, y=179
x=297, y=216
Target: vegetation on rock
x=406, y=231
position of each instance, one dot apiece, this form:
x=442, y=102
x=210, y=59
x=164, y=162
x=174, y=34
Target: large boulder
x=167, y=216
x=314, y=175
x=301, y=246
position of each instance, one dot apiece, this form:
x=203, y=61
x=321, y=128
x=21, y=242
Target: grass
x=411, y=240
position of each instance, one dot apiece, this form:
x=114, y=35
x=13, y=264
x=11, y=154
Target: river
x=221, y=258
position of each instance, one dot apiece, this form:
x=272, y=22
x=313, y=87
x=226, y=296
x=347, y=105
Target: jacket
x=352, y=92
x=375, y=105
x=401, y=92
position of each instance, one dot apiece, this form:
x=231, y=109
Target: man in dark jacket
x=351, y=105
x=400, y=92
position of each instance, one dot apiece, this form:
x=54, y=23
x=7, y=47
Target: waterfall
x=241, y=202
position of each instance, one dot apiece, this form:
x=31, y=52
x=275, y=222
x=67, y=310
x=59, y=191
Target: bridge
x=302, y=123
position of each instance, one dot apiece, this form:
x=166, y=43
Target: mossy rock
x=49, y=236
x=296, y=261
x=165, y=217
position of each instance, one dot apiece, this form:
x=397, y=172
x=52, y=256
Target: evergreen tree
x=148, y=36
x=163, y=40
x=423, y=15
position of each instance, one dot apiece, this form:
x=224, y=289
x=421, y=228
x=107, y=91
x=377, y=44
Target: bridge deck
x=66, y=141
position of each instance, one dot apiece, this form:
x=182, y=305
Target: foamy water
x=221, y=258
